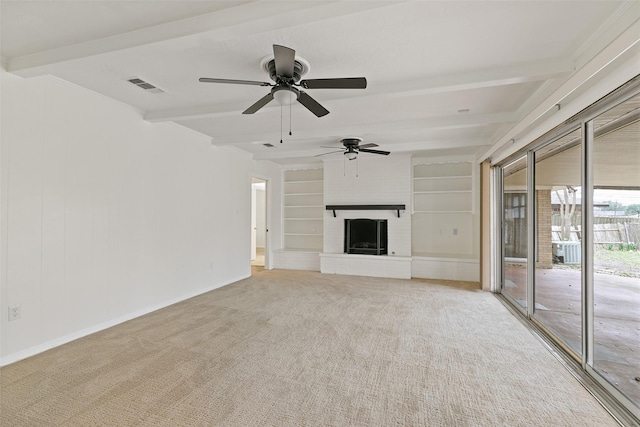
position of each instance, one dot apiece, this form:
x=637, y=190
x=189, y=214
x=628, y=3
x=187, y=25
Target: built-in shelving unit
x=442, y=188
x=443, y=201
x=303, y=210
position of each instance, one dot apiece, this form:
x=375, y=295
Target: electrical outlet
x=14, y=312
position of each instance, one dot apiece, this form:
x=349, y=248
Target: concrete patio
x=616, y=318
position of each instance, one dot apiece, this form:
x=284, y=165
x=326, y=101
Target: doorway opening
x=258, y=223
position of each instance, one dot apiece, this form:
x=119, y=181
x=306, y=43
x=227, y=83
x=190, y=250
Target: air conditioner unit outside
x=568, y=252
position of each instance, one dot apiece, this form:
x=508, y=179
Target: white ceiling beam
x=626, y=44
x=432, y=123
x=521, y=73
x=626, y=14
x=546, y=89
x=200, y=112
x=401, y=147
x=624, y=17
x=478, y=79
x=252, y=18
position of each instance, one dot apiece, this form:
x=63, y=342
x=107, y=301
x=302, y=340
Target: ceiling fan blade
x=312, y=105
x=366, y=150
x=258, y=105
x=231, y=81
x=369, y=145
x=284, y=59
x=330, y=152
x=339, y=83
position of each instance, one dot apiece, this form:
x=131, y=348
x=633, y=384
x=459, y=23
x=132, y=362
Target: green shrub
x=623, y=247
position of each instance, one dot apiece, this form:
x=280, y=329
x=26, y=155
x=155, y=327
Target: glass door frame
x=614, y=399
x=500, y=207
x=558, y=133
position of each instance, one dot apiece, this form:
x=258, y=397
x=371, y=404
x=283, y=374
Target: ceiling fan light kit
x=285, y=96
x=351, y=155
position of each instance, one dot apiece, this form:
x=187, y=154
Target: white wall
x=106, y=216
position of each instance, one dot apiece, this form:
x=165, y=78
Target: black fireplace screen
x=365, y=236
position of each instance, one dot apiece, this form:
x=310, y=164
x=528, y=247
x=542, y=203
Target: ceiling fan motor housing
x=351, y=142
x=298, y=72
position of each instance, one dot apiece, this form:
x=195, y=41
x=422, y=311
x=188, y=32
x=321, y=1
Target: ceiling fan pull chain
x=280, y=123
x=357, y=168
x=290, y=103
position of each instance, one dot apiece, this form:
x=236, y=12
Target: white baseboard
x=467, y=270
x=396, y=267
x=32, y=351
x=296, y=260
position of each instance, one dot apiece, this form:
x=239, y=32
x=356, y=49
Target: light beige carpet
x=286, y=348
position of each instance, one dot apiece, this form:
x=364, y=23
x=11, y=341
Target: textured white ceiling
x=424, y=61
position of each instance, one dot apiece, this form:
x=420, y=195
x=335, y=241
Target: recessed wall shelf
x=335, y=208
x=442, y=210
x=302, y=204
x=442, y=188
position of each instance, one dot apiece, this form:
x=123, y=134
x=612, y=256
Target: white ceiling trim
x=443, y=76
x=626, y=44
x=199, y=112
x=436, y=123
x=251, y=18
x=545, y=90
x=396, y=147
x=502, y=76
x=623, y=18
x=479, y=79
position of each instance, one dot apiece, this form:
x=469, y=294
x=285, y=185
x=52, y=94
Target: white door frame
x=267, y=258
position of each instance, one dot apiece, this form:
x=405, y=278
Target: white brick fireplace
x=369, y=180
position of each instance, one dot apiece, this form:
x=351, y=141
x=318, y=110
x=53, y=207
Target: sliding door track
x=618, y=411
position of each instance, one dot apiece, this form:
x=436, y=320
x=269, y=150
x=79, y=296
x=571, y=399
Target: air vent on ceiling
x=144, y=85
x=268, y=145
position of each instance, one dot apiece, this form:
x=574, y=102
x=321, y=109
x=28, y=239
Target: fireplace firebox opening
x=365, y=236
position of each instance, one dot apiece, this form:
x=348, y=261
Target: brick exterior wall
x=543, y=225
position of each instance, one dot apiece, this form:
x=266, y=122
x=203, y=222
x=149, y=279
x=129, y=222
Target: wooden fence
x=606, y=230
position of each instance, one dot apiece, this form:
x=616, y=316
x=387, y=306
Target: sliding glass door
x=615, y=254
x=558, y=267
x=514, y=231
x=569, y=208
